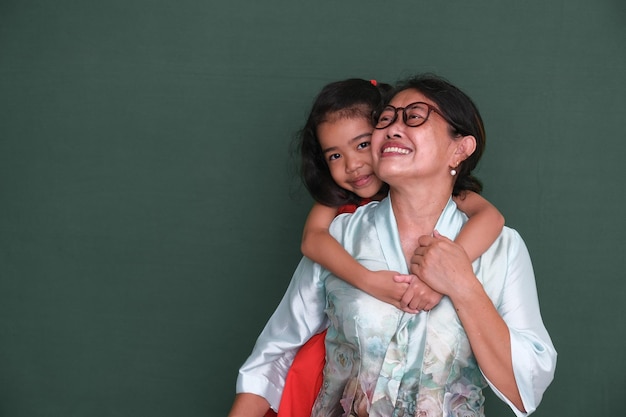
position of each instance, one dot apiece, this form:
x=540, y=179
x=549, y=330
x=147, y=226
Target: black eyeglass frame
x=430, y=107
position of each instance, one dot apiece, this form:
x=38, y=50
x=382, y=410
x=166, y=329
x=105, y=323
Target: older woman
x=487, y=330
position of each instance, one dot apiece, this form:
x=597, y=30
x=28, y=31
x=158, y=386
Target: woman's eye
x=363, y=145
x=415, y=115
x=385, y=117
x=333, y=156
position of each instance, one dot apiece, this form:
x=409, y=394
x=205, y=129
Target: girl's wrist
x=367, y=280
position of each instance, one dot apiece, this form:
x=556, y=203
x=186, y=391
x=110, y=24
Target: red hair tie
x=374, y=82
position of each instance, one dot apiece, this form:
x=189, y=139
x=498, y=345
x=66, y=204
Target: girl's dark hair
x=462, y=114
x=352, y=98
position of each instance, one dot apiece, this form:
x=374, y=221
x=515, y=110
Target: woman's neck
x=416, y=212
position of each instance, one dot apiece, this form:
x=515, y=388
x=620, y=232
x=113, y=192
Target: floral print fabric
x=382, y=362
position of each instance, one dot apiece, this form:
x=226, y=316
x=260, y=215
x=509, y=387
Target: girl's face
x=427, y=150
x=345, y=144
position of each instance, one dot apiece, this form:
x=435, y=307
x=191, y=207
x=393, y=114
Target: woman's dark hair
x=352, y=98
x=463, y=117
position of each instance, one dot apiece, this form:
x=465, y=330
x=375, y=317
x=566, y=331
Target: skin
x=415, y=162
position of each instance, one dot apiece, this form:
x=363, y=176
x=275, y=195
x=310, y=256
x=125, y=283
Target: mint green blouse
x=381, y=361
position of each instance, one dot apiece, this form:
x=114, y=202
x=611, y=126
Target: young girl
x=336, y=169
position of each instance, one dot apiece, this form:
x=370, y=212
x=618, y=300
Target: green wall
x=150, y=216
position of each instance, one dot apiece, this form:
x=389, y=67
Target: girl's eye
x=363, y=145
x=334, y=156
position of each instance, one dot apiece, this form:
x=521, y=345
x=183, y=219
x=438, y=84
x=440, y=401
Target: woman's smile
x=390, y=149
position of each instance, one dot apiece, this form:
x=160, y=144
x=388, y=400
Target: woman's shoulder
x=507, y=244
x=511, y=238
x=508, y=250
x=361, y=218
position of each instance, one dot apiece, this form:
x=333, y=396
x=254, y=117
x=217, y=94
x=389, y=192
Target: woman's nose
x=394, y=129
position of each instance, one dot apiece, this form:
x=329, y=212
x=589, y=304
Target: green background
x=150, y=215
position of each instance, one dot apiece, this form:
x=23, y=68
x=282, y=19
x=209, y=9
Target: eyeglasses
x=413, y=115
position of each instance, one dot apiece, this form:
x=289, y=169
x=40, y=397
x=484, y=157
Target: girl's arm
x=321, y=247
x=483, y=227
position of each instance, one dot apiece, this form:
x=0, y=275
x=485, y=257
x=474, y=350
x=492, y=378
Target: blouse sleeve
x=532, y=351
x=298, y=317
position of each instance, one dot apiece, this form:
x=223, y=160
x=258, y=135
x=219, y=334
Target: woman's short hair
x=464, y=119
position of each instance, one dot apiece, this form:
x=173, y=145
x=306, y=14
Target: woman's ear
x=465, y=147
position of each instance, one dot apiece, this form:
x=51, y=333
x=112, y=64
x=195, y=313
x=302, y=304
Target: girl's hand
x=388, y=286
x=418, y=296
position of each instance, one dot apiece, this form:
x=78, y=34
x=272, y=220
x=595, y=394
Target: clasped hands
x=438, y=267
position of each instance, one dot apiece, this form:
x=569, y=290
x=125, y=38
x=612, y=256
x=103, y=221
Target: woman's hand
x=442, y=264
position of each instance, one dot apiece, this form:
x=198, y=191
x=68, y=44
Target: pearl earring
x=453, y=170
